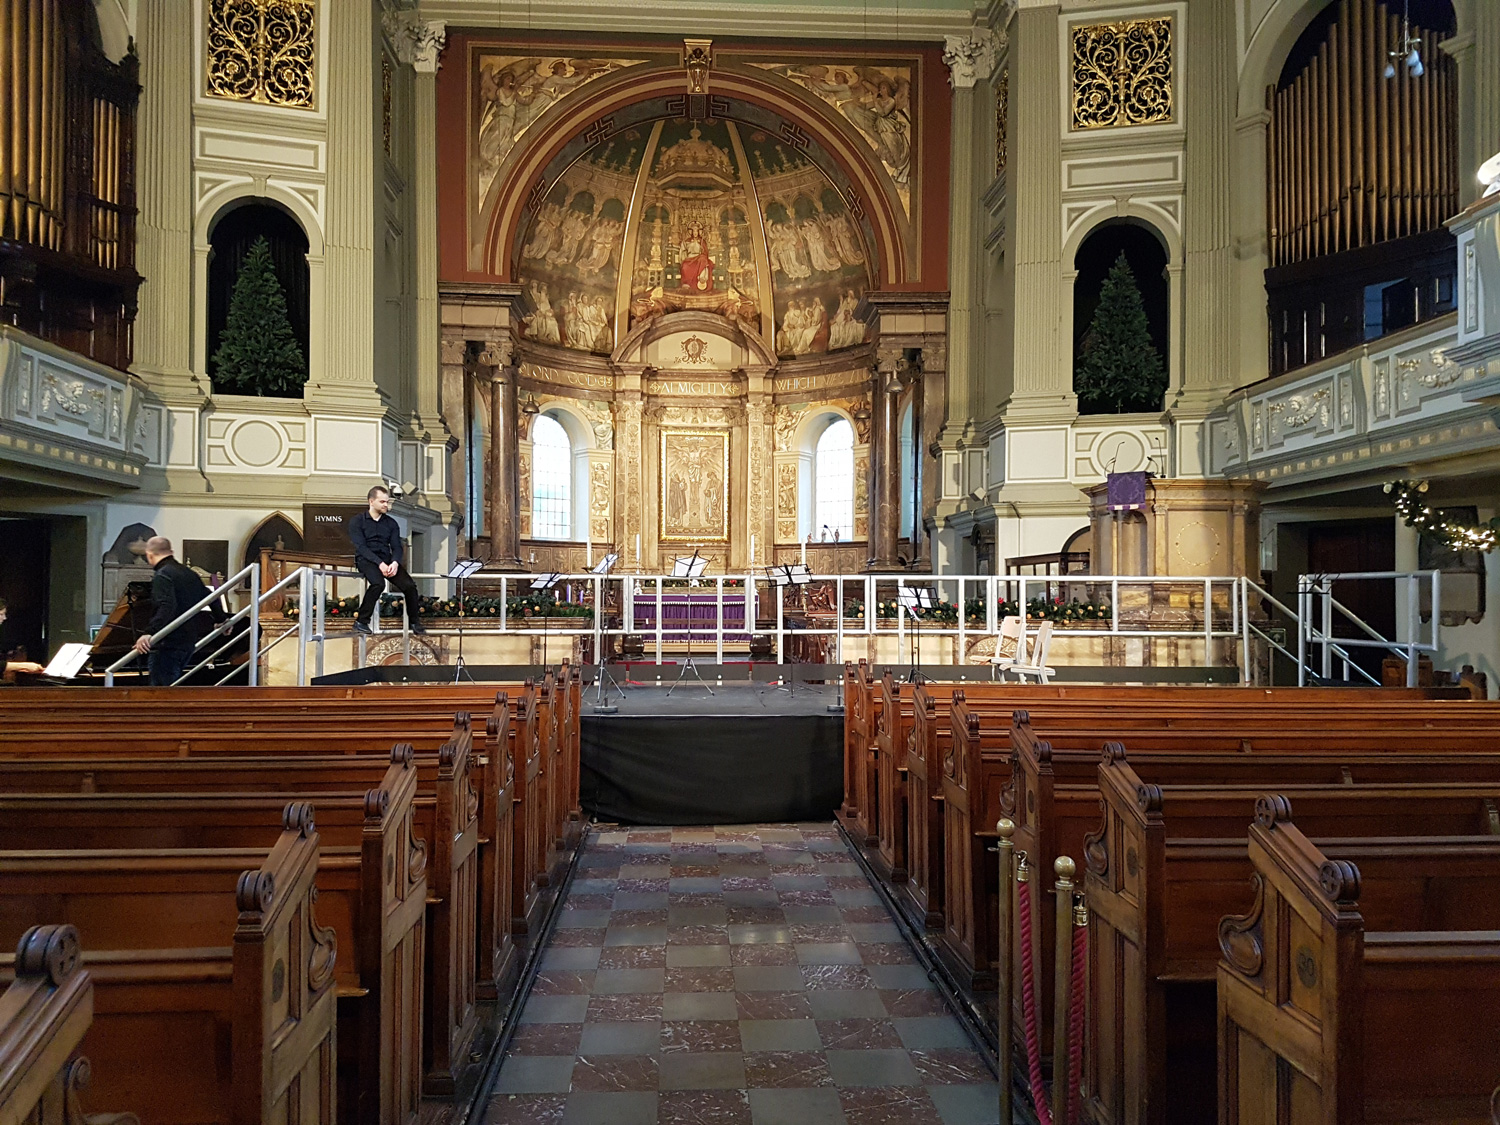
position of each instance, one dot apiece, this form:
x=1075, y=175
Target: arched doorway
x=233, y=234
x=1143, y=253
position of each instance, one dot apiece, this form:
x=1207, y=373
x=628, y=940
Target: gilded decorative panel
x=786, y=501
x=261, y=51
x=694, y=486
x=1002, y=107
x=1122, y=73
x=599, y=493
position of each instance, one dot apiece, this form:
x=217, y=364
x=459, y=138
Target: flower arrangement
x=945, y=612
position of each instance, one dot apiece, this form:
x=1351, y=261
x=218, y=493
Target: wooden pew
x=862, y=722
x=197, y=819
x=1166, y=864
x=930, y=744
x=185, y=1027
x=44, y=1015
x=1334, y=1006
x=374, y=897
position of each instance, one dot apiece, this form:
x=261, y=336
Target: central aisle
x=735, y=975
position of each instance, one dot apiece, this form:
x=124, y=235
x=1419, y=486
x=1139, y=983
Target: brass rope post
x=1003, y=975
x=1062, y=985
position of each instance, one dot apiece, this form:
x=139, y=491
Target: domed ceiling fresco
x=709, y=216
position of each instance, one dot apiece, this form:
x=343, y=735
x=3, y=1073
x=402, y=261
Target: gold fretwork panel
x=261, y=51
x=1122, y=73
x=1002, y=105
x=694, y=486
x=600, y=485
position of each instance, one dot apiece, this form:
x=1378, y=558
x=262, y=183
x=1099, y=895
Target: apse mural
x=727, y=221
x=876, y=100
x=515, y=90
x=570, y=259
x=696, y=248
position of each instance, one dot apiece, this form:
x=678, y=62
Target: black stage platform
x=748, y=754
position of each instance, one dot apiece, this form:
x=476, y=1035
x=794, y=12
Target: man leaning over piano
x=9, y=668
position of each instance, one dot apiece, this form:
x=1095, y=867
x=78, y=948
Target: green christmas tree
x=1118, y=369
x=257, y=353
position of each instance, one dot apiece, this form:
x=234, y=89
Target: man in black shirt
x=377, y=555
x=175, y=589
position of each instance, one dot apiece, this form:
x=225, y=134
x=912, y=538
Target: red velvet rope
x=1075, y=1019
x=1028, y=1010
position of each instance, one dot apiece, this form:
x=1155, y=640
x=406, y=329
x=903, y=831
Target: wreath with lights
x=1456, y=535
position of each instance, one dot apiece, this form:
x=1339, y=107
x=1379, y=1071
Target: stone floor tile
x=610, y=1107
x=930, y=1032
x=545, y=1039
x=811, y=915
x=875, y=1105
x=711, y=979
x=873, y=931
x=631, y=1006
x=571, y=959
x=836, y=976
x=698, y=956
x=526, y=1109
x=779, y=1035
x=897, y=977
x=583, y=919
x=796, y=1107
x=633, y=957
x=967, y=1105
x=786, y=1069
x=948, y=1066
x=678, y=1036
x=563, y=983
x=886, y=954
x=859, y=1035
x=768, y=953
x=569, y=939
x=873, y=1067
x=641, y=900
x=635, y=935
x=844, y=1004
x=608, y=982
x=699, y=1006
x=703, y=1107
x=697, y=935
x=535, y=1074
x=710, y=1070
x=615, y=1072
x=711, y=913
x=768, y=978
x=555, y=1009
x=773, y=1005
x=913, y=1002
x=620, y=1037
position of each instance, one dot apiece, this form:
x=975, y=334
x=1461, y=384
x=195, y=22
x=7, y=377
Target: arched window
x=833, y=481
x=551, y=479
x=1120, y=320
x=233, y=235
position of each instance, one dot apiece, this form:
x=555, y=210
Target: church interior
x=932, y=533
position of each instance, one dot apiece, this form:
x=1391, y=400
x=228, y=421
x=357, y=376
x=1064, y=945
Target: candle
x=804, y=550
x=637, y=546
x=752, y=549
x=588, y=546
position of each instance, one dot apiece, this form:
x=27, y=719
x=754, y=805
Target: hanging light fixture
x=1409, y=54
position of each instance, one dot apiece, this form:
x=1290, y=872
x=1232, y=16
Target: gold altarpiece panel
x=694, y=478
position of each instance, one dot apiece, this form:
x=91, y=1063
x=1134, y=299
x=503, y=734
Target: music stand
x=795, y=575
x=541, y=585
x=690, y=567
x=602, y=706
x=463, y=569
x=914, y=601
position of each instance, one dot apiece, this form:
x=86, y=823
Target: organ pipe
x=1355, y=158
x=33, y=110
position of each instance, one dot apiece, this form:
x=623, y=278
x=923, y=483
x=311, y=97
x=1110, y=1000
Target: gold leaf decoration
x=1122, y=73
x=1002, y=106
x=261, y=51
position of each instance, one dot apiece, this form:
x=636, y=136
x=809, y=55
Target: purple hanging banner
x=1127, y=492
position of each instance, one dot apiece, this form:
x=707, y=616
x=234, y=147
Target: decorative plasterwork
x=971, y=58
x=1122, y=73
x=418, y=42
x=1002, y=108
x=261, y=51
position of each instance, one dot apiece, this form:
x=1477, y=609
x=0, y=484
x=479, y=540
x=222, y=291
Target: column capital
x=497, y=354
x=972, y=57
x=418, y=42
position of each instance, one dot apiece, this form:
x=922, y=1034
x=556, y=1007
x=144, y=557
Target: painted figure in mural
x=875, y=100
x=787, y=251
x=819, y=250
x=845, y=331
x=804, y=327
x=841, y=233
x=697, y=275
x=545, y=233
x=711, y=499
x=541, y=324
x=677, y=500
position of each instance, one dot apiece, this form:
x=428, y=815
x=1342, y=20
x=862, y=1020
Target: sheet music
x=68, y=662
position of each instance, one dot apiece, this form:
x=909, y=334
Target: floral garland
x=1037, y=609
x=1457, y=536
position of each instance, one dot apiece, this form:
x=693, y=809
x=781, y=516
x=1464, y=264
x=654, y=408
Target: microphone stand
x=692, y=567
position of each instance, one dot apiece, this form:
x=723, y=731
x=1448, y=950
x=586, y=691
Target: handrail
x=251, y=572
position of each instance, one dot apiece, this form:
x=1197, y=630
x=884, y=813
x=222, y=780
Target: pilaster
x=164, y=226
x=1041, y=384
x=1476, y=50
x=347, y=382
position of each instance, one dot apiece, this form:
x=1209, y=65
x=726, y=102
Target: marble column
x=1476, y=50
x=1207, y=328
x=1041, y=379
x=885, y=462
x=164, y=189
x=505, y=477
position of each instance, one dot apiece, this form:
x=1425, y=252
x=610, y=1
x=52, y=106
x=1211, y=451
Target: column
x=1042, y=383
x=347, y=379
x=971, y=60
x=885, y=463
x=505, y=480
x=164, y=190
x=1476, y=50
x=420, y=44
x=1207, y=329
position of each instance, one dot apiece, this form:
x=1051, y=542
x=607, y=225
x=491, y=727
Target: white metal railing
x=1213, y=610
x=1317, y=590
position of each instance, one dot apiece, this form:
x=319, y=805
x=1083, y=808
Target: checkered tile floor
x=734, y=975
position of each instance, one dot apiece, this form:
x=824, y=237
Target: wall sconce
x=529, y=404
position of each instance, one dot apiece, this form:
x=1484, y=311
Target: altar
x=690, y=616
